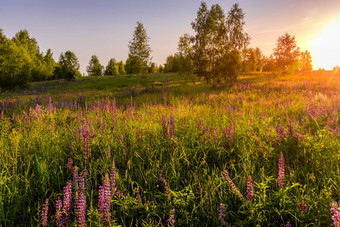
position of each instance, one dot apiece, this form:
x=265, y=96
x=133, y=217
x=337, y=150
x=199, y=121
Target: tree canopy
x=139, y=51
x=218, y=42
x=94, y=68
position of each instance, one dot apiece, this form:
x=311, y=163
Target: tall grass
x=161, y=154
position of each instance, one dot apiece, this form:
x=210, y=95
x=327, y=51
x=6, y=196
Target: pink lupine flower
x=281, y=172
x=250, y=193
x=231, y=184
x=44, y=214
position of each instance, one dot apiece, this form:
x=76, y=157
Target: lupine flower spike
x=166, y=185
x=336, y=214
x=104, y=201
x=171, y=219
x=138, y=197
x=281, y=174
x=221, y=215
x=44, y=214
x=232, y=186
x=302, y=206
x=250, y=193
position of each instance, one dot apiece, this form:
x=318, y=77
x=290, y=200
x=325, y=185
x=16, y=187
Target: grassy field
x=162, y=151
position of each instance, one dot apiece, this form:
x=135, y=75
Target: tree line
x=217, y=52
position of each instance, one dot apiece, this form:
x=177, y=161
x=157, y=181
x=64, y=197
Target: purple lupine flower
x=113, y=178
x=104, y=201
x=250, y=189
x=86, y=140
x=302, y=206
x=138, y=197
x=70, y=164
x=67, y=199
x=221, y=215
x=281, y=133
x=288, y=224
x=59, y=214
x=171, y=219
x=172, y=125
x=281, y=172
x=164, y=126
x=80, y=202
x=231, y=184
x=228, y=133
x=336, y=214
x=166, y=185
x=44, y=214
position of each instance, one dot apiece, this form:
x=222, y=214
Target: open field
x=148, y=147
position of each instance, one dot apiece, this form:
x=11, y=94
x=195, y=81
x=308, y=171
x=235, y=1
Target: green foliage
x=15, y=66
x=68, y=67
x=217, y=37
x=21, y=61
x=286, y=54
x=111, y=68
x=241, y=127
x=94, y=68
x=139, y=51
x=135, y=65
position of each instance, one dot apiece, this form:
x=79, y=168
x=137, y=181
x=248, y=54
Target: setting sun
x=326, y=47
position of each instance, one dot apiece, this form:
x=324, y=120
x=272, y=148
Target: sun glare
x=326, y=48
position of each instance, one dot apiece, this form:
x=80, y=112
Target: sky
x=105, y=27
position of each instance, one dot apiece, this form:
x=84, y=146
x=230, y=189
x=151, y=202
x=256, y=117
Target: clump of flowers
x=232, y=186
x=221, y=215
x=166, y=185
x=288, y=224
x=171, y=219
x=104, y=201
x=138, y=197
x=336, y=214
x=59, y=213
x=250, y=189
x=44, y=214
x=113, y=178
x=80, y=202
x=281, y=174
x=302, y=206
x=67, y=198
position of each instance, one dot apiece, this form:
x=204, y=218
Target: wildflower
x=231, y=184
x=250, y=189
x=70, y=164
x=113, y=178
x=221, y=215
x=104, y=201
x=281, y=174
x=302, y=206
x=59, y=213
x=166, y=185
x=80, y=202
x=171, y=219
x=67, y=199
x=44, y=214
x=172, y=125
x=336, y=214
x=288, y=224
x=164, y=126
x=138, y=197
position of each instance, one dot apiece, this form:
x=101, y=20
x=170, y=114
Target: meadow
x=161, y=151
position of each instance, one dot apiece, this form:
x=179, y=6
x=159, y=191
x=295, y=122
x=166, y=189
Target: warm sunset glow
x=326, y=47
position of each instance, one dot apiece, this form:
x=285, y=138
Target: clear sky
x=105, y=27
